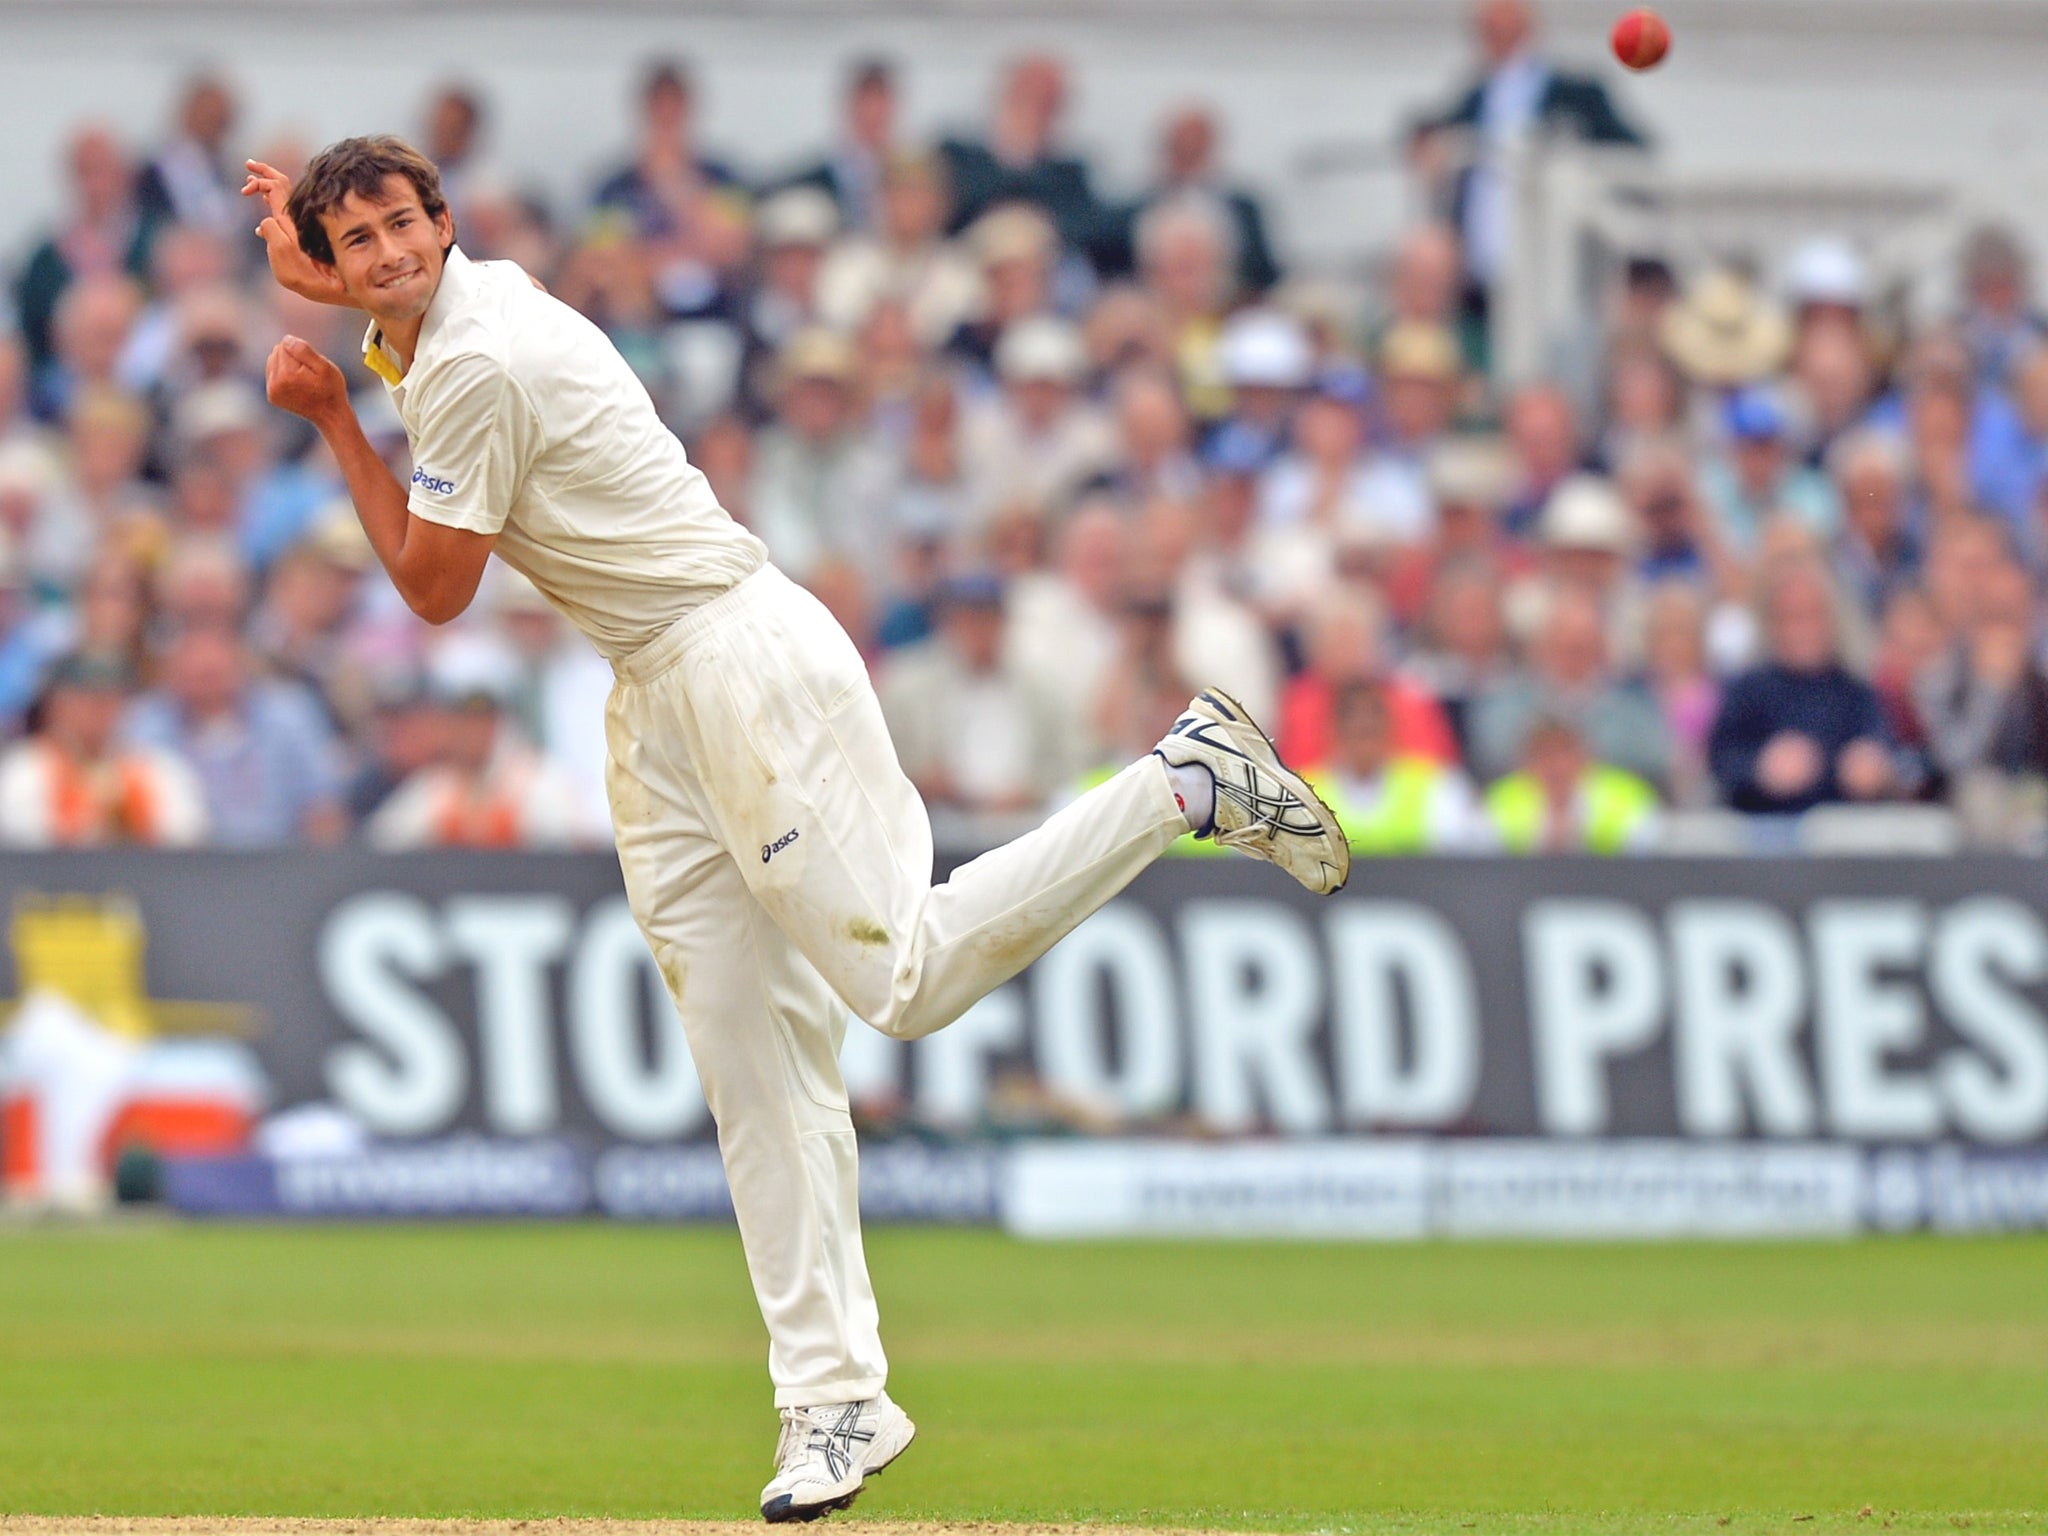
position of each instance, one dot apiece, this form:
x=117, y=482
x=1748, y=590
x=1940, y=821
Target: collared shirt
x=1509, y=104
x=526, y=423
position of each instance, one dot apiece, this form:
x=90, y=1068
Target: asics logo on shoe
x=769, y=850
x=835, y=1440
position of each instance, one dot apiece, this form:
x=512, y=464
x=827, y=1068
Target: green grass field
x=601, y=1370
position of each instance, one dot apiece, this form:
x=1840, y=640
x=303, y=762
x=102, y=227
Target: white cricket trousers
x=780, y=864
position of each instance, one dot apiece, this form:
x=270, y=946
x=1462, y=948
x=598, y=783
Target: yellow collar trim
x=379, y=360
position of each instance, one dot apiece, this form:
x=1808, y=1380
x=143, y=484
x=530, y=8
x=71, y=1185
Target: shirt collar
x=458, y=281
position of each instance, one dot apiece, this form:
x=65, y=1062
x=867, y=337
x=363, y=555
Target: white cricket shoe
x=827, y=1451
x=1263, y=808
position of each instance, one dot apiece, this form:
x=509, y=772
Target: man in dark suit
x=1021, y=160
x=1518, y=93
x=852, y=169
x=1187, y=168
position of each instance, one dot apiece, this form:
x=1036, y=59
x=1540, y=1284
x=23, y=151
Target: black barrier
x=1861, y=1001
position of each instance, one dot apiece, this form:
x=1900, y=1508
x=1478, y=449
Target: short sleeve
x=475, y=440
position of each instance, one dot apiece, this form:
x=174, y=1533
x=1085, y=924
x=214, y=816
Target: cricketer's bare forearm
x=435, y=587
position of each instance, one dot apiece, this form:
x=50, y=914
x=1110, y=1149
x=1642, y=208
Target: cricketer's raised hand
x=298, y=379
x=292, y=267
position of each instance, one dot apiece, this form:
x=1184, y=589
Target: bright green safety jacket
x=1616, y=805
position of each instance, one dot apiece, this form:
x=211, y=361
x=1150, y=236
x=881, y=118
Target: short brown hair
x=358, y=166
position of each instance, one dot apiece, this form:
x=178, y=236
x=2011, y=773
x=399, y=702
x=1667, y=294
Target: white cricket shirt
x=525, y=422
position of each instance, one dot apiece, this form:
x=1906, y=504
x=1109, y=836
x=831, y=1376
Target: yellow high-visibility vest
x=1616, y=804
x=1398, y=822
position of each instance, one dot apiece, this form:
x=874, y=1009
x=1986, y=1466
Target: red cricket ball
x=1641, y=39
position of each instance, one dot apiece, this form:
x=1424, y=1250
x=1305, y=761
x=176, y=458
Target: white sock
x=1194, y=788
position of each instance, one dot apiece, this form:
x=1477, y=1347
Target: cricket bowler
x=775, y=855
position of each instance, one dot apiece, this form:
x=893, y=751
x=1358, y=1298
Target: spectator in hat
x=1418, y=378
x=71, y=784
x=1570, y=676
x=228, y=426
x=1038, y=441
x=1588, y=542
x=1826, y=284
x=194, y=178
x=792, y=231
x=973, y=734
x=1519, y=93
x=1017, y=249
x=1723, y=333
x=820, y=482
x=1021, y=160
x=904, y=256
x=854, y=169
x=1563, y=799
x=103, y=235
x=1999, y=323
x=487, y=787
x=1187, y=172
x=1756, y=477
x=1266, y=364
x=1801, y=729
x=1388, y=802
x=267, y=761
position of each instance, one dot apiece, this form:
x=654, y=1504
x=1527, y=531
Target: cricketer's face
x=388, y=252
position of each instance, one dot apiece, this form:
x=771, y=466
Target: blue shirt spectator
x=1801, y=730
x=263, y=750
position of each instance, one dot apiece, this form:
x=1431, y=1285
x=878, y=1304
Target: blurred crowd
x=1055, y=453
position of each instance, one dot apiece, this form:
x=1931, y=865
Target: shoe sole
x=1235, y=713
x=783, y=1512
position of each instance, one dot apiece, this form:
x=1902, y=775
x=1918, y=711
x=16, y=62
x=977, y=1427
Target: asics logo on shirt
x=769, y=850
x=434, y=483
